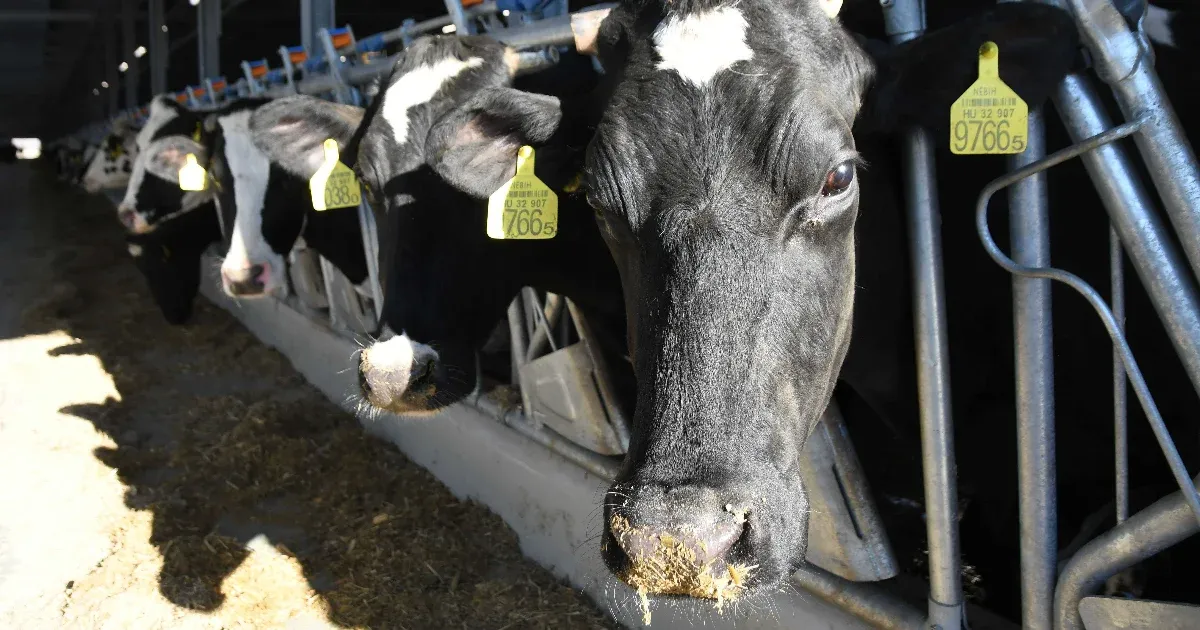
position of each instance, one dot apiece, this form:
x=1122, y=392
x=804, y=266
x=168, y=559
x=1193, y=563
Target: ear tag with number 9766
x=989, y=118
x=334, y=184
x=524, y=207
x=192, y=176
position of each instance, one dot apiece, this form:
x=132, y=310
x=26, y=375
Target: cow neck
x=191, y=201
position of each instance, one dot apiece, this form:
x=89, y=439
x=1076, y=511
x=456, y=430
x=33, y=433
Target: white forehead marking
x=135, y=250
x=251, y=172
x=417, y=88
x=699, y=45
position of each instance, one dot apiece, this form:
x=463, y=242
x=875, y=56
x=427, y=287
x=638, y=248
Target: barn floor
x=164, y=477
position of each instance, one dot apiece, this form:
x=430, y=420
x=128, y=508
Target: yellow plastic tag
x=334, y=184
x=524, y=207
x=192, y=176
x=989, y=118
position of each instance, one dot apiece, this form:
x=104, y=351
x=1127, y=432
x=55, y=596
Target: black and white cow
x=438, y=140
x=267, y=209
x=169, y=229
x=170, y=133
x=725, y=176
x=112, y=163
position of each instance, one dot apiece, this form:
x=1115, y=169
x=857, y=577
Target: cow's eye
x=838, y=180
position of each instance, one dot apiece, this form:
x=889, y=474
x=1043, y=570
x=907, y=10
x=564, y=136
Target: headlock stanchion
x=570, y=405
x=905, y=20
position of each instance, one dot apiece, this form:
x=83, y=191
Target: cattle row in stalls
x=738, y=241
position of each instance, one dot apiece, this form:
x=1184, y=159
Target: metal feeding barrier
x=568, y=398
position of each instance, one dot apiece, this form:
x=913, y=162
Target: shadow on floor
x=229, y=450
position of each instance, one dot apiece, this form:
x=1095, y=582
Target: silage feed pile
x=251, y=500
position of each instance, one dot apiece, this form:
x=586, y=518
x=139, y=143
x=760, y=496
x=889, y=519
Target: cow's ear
x=474, y=147
x=917, y=82
x=293, y=130
x=164, y=157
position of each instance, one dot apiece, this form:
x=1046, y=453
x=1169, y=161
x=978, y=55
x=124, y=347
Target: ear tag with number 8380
x=334, y=184
x=524, y=207
x=989, y=118
x=192, y=176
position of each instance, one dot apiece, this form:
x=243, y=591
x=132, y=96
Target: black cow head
x=171, y=132
x=440, y=138
x=169, y=259
x=723, y=174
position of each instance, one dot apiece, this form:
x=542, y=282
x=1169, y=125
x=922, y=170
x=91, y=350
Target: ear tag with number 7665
x=989, y=118
x=524, y=207
x=334, y=184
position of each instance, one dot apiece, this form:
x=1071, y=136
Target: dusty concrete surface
x=186, y=477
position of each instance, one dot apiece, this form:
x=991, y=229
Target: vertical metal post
x=905, y=20
x=314, y=16
x=1116, y=261
x=1146, y=237
x=157, y=47
x=110, y=74
x=1030, y=237
x=461, y=23
x=128, y=43
x=208, y=38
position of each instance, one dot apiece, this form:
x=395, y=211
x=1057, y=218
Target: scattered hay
x=673, y=568
x=222, y=446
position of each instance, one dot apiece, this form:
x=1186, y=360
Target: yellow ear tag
x=524, y=207
x=334, y=184
x=989, y=118
x=192, y=176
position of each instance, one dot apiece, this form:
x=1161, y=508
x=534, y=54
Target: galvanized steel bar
x=314, y=16
x=1143, y=233
x=865, y=601
x=208, y=38
x=1156, y=528
x=462, y=24
x=1029, y=234
x=434, y=24
x=1116, y=262
x=1123, y=60
x=905, y=20
x=128, y=44
x=603, y=467
x=1157, y=425
x=157, y=47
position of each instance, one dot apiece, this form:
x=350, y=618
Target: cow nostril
x=422, y=371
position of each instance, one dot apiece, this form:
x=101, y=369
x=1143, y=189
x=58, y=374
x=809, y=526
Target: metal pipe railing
x=865, y=601
x=1165, y=523
x=1029, y=234
x=904, y=21
x=1145, y=236
x=1157, y=425
x=1124, y=61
